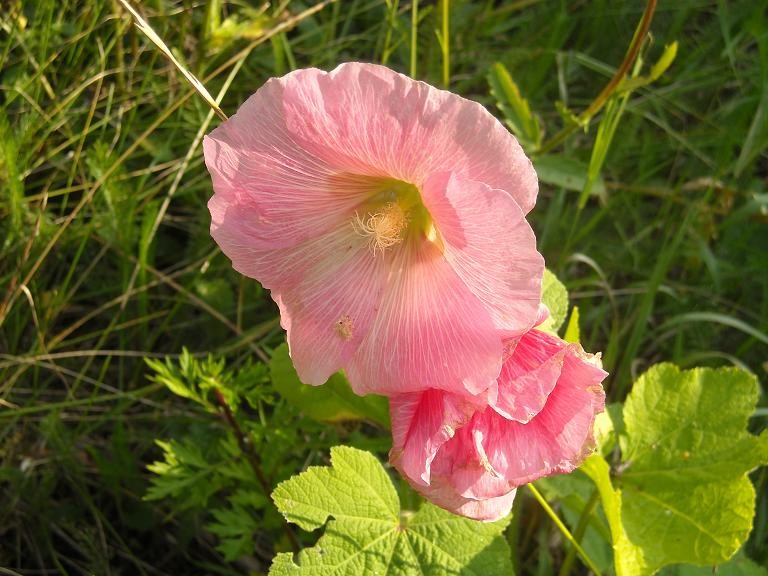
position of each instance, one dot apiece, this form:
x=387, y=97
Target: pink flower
x=388, y=220
x=468, y=455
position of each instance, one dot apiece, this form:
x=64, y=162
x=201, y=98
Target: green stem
x=578, y=534
x=563, y=529
x=247, y=449
x=613, y=84
x=132, y=395
x=414, y=34
x=391, y=24
x=446, y=46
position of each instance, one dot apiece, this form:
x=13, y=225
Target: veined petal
x=421, y=423
x=430, y=331
x=490, y=246
x=275, y=267
x=372, y=120
x=279, y=194
x=329, y=312
x=318, y=184
x=529, y=375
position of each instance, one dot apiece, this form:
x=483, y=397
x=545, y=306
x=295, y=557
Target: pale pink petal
x=490, y=245
x=328, y=290
x=305, y=156
x=281, y=193
x=276, y=268
x=421, y=423
x=329, y=313
x=372, y=120
x=429, y=332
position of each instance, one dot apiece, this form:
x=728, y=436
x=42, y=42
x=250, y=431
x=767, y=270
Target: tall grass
x=106, y=257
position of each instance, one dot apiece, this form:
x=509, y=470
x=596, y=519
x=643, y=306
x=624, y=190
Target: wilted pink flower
x=387, y=218
x=469, y=455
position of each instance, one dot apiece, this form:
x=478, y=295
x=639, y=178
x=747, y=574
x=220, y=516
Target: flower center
x=392, y=212
x=383, y=229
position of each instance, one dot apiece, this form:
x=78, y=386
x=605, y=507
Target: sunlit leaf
x=333, y=401
x=682, y=494
x=516, y=110
x=371, y=534
x=555, y=296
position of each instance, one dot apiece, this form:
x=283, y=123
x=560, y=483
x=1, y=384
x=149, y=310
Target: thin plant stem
x=601, y=99
x=414, y=35
x=153, y=37
x=391, y=24
x=446, y=45
x=578, y=534
x=563, y=529
x=246, y=447
x=66, y=404
x=13, y=294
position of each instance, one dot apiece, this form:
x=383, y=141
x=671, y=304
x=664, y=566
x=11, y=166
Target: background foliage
x=106, y=257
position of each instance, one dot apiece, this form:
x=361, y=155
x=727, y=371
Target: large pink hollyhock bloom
x=388, y=220
x=469, y=456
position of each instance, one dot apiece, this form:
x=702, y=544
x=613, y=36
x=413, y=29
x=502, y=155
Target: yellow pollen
x=383, y=229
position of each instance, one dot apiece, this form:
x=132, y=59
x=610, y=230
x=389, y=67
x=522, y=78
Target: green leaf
x=572, y=331
x=184, y=474
x=606, y=130
x=516, y=110
x=333, y=401
x=567, y=173
x=683, y=495
x=661, y=66
x=235, y=528
x=555, y=296
x=739, y=565
x=370, y=534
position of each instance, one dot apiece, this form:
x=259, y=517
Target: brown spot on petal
x=345, y=328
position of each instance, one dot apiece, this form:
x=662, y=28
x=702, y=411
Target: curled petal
x=490, y=245
x=474, y=469
x=555, y=441
x=443, y=494
x=529, y=375
x=421, y=423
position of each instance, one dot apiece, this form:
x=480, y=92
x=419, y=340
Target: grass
x=106, y=258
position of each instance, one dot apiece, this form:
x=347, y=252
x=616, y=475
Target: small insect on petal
x=345, y=328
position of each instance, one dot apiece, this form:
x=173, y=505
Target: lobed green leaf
x=682, y=494
x=370, y=534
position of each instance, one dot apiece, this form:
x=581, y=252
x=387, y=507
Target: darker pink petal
x=529, y=377
x=421, y=423
x=478, y=466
